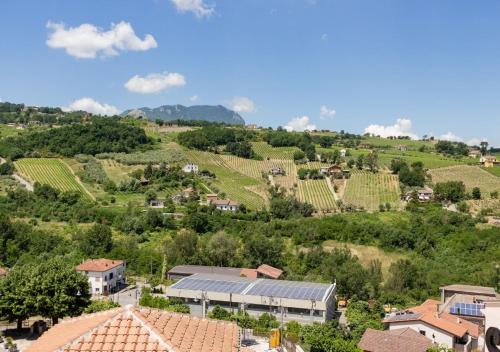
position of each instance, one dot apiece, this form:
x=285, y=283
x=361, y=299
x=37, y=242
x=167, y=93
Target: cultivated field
x=52, y=172
x=368, y=190
x=267, y=151
x=471, y=176
x=493, y=170
x=317, y=193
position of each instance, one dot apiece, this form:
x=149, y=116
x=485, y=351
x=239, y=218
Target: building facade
x=105, y=275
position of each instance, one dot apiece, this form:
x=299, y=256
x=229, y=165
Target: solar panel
x=289, y=289
x=225, y=285
x=471, y=309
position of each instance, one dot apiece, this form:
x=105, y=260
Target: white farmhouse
x=190, y=168
x=105, y=275
x=343, y=153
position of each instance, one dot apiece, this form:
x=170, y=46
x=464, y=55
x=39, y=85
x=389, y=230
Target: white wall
x=97, y=279
x=440, y=336
x=492, y=316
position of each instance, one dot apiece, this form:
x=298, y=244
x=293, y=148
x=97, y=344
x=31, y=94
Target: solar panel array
x=472, y=309
x=289, y=289
x=215, y=285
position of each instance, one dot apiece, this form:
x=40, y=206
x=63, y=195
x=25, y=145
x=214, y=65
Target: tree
x=96, y=241
x=148, y=172
x=476, y=193
x=7, y=168
x=299, y=155
x=452, y=191
x=483, y=147
x=371, y=161
x=360, y=162
x=404, y=275
x=222, y=249
x=182, y=248
x=101, y=305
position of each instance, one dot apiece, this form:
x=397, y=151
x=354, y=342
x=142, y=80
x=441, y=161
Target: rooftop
x=202, y=269
x=406, y=339
x=428, y=313
x=139, y=330
x=269, y=271
x=478, y=290
x=101, y=264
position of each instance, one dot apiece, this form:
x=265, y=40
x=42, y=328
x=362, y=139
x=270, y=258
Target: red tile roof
x=99, y=265
x=269, y=271
x=139, y=330
x=251, y=273
x=397, y=340
x=427, y=312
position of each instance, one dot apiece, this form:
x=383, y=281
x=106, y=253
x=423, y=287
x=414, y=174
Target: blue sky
x=434, y=65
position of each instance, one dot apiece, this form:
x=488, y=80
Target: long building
x=305, y=302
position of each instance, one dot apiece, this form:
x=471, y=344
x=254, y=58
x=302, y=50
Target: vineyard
x=267, y=151
x=369, y=190
x=317, y=193
x=471, y=176
x=52, y=172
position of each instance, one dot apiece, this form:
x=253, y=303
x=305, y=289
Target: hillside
x=210, y=113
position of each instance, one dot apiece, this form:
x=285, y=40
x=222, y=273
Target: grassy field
x=493, y=170
x=7, y=131
x=52, y=172
x=384, y=142
x=116, y=171
x=369, y=190
x=471, y=176
x=366, y=254
x=267, y=151
x=317, y=193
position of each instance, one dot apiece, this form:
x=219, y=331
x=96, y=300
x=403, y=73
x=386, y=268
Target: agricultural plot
x=52, y=172
x=168, y=154
x=471, y=176
x=369, y=190
x=493, y=170
x=317, y=193
x=267, y=151
x=116, y=171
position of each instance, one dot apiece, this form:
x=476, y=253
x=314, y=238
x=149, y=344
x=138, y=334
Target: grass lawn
x=471, y=176
x=7, y=131
x=366, y=254
x=116, y=171
x=493, y=170
x=267, y=151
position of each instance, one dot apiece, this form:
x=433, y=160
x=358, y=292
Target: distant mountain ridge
x=212, y=113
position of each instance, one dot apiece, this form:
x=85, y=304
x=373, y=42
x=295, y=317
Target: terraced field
x=317, y=193
x=368, y=190
x=267, y=151
x=52, y=172
x=471, y=176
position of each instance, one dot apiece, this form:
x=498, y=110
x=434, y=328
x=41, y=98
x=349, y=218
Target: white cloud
x=198, y=7
x=242, y=104
x=88, y=41
x=299, y=124
x=92, y=106
x=326, y=113
x=193, y=98
x=449, y=136
x=155, y=82
x=476, y=141
x=324, y=37
x=402, y=127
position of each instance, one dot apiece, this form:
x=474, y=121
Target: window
x=110, y=276
x=97, y=289
x=422, y=332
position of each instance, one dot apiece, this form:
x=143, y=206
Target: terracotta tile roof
x=427, y=312
x=269, y=271
x=99, y=265
x=397, y=340
x=139, y=330
x=251, y=273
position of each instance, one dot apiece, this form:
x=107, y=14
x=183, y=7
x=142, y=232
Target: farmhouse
x=211, y=197
x=277, y=171
x=442, y=327
x=224, y=204
x=330, y=170
x=157, y=203
x=190, y=168
x=402, y=148
x=135, y=329
x=305, y=302
x=343, y=153
x=424, y=195
x=251, y=126
x=474, y=153
x=488, y=160
x=396, y=340
x=105, y=275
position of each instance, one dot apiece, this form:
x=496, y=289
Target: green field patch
x=369, y=190
x=52, y=172
x=265, y=150
x=317, y=193
x=493, y=170
x=471, y=176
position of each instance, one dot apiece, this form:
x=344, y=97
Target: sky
x=388, y=67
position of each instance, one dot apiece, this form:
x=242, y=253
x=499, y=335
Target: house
x=269, y=272
x=402, y=148
x=183, y=195
x=442, y=327
x=105, y=275
x=225, y=204
x=3, y=272
x=330, y=170
x=277, y=171
x=138, y=329
x=474, y=153
x=251, y=126
x=488, y=160
x=157, y=203
x=343, y=153
x=396, y=340
x=423, y=195
x=211, y=197
x=190, y=168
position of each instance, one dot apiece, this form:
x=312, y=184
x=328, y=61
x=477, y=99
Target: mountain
x=211, y=113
